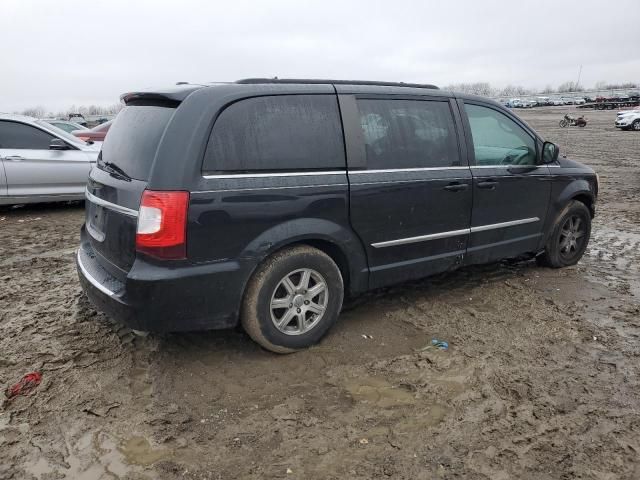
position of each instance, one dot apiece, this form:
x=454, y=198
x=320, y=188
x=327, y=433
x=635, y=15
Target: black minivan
x=265, y=202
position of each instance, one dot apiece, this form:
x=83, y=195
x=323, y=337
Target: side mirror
x=57, y=144
x=550, y=152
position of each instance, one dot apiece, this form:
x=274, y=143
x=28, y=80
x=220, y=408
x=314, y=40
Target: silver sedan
x=41, y=163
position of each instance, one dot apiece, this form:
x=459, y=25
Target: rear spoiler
x=161, y=98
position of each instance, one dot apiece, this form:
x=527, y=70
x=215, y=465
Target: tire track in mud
x=614, y=256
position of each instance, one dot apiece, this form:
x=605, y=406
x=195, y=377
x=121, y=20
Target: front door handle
x=488, y=184
x=14, y=158
x=456, y=187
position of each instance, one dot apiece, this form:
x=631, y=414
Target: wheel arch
x=579, y=189
x=338, y=242
x=587, y=199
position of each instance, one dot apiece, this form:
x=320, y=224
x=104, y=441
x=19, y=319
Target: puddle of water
x=97, y=455
x=93, y=456
x=378, y=392
x=138, y=451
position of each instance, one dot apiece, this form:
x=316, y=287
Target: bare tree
x=570, y=87
x=511, y=90
x=613, y=86
x=483, y=89
x=38, y=112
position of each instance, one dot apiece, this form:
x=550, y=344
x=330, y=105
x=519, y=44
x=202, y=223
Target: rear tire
x=292, y=299
x=569, y=238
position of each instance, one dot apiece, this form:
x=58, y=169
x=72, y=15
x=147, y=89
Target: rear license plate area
x=95, y=221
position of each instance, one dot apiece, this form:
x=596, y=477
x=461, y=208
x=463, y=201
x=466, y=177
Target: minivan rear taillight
x=162, y=224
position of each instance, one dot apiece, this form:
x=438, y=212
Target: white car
x=42, y=163
x=628, y=120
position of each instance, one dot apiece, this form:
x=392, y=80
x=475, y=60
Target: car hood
x=568, y=163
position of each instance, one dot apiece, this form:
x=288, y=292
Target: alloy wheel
x=572, y=236
x=299, y=301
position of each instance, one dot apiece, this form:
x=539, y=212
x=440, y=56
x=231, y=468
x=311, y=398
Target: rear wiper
x=114, y=169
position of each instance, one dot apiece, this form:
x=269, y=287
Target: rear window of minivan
x=277, y=133
x=133, y=139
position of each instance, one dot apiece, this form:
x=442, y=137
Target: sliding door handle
x=456, y=187
x=488, y=184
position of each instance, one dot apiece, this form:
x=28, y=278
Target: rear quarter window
x=276, y=133
x=134, y=137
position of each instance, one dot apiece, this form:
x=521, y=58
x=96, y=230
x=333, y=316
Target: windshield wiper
x=114, y=169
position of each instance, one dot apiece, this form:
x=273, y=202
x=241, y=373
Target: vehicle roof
x=179, y=92
x=176, y=94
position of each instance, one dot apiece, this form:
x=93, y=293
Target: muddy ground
x=540, y=382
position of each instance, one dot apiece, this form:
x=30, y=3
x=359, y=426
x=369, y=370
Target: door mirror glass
x=550, y=152
x=57, y=144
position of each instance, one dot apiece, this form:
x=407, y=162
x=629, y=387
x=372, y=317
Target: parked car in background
x=567, y=100
x=95, y=134
x=78, y=118
x=514, y=103
x=40, y=162
x=628, y=120
x=265, y=202
x=556, y=101
x=579, y=101
x=543, y=101
x=66, y=125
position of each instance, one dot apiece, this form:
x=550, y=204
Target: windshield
x=60, y=133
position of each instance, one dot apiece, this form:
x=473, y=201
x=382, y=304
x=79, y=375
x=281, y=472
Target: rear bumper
x=160, y=299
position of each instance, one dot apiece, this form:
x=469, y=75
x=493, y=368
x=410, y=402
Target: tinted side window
x=408, y=134
x=21, y=136
x=498, y=140
x=286, y=132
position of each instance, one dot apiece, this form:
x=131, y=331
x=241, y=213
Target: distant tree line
x=485, y=89
x=41, y=112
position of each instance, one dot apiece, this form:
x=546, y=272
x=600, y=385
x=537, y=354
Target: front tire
x=563, y=123
x=636, y=125
x=292, y=299
x=569, y=238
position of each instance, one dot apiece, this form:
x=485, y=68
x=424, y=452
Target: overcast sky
x=64, y=52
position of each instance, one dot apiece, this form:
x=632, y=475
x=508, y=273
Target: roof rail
x=337, y=82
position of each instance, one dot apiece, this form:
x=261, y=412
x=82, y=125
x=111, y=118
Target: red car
x=95, y=134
